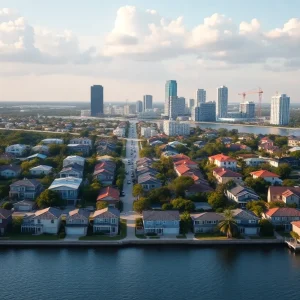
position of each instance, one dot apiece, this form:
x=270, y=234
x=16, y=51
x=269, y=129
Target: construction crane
x=259, y=92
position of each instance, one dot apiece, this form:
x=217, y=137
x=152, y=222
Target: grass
x=123, y=234
x=140, y=236
x=210, y=236
x=25, y=237
x=181, y=236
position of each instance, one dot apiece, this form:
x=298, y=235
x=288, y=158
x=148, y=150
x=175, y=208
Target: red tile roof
x=296, y=223
x=185, y=162
x=222, y=172
x=221, y=157
x=178, y=157
x=283, y=212
x=108, y=192
x=181, y=169
x=264, y=173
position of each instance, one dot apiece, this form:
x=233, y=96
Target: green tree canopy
x=257, y=206
x=266, y=227
x=228, y=226
x=141, y=204
x=137, y=190
x=101, y=204
x=183, y=205
x=49, y=198
x=185, y=222
x=216, y=200
x=180, y=184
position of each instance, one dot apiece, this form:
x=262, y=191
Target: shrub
x=62, y=235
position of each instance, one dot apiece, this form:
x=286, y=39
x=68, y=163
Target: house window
x=238, y=221
x=113, y=221
x=52, y=221
x=252, y=221
x=39, y=221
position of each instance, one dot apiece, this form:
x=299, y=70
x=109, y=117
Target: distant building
x=280, y=110
x=16, y=149
x=139, y=106
x=170, y=94
x=173, y=128
x=205, y=112
x=96, y=100
x=222, y=102
x=52, y=141
x=148, y=132
x=177, y=107
x=200, y=96
x=129, y=109
x=247, y=109
x=191, y=103
x=85, y=113
x=147, y=102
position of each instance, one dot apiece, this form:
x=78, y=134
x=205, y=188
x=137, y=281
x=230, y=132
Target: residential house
x=149, y=182
x=223, y=175
x=293, y=141
x=200, y=144
x=5, y=220
x=40, y=170
x=68, y=188
x=142, y=170
x=294, y=149
x=206, y=222
x=24, y=205
x=79, y=148
x=27, y=189
x=145, y=161
x=10, y=171
x=52, y=141
x=225, y=140
x=255, y=161
x=267, y=176
x=105, y=148
x=186, y=162
x=40, y=149
x=291, y=161
x=105, y=172
x=267, y=145
x=106, y=221
x=77, y=222
x=46, y=220
x=282, y=217
x=165, y=222
x=237, y=147
x=296, y=227
x=287, y=194
x=72, y=170
x=241, y=195
x=223, y=161
x=109, y=195
x=35, y=156
x=198, y=188
x=74, y=159
x=82, y=141
x=16, y=149
x=247, y=222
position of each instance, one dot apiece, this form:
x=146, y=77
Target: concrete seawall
x=133, y=243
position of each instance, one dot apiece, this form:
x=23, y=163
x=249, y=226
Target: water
x=150, y=273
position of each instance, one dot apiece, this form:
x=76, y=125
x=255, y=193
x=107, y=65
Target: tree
x=181, y=184
x=216, y=200
x=141, y=204
x=137, y=190
x=294, y=235
x=183, y=205
x=101, y=204
x=7, y=205
x=259, y=185
x=284, y=171
x=289, y=182
x=273, y=204
x=257, y=206
x=167, y=206
x=185, y=222
x=228, y=226
x=159, y=195
x=90, y=192
x=16, y=224
x=266, y=228
x=49, y=198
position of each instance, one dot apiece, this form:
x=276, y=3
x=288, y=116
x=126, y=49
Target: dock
x=293, y=244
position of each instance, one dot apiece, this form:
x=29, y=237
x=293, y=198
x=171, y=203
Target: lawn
x=210, y=236
x=25, y=237
x=123, y=234
x=140, y=236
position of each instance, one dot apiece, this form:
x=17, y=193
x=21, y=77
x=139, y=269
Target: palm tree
x=228, y=225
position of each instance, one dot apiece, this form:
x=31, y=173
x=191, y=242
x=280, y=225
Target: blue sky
x=54, y=50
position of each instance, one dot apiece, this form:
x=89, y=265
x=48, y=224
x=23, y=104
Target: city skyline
x=141, y=45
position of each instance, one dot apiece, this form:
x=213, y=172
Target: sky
x=55, y=50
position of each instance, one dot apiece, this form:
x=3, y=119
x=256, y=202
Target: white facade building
x=16, y=149
x=148, y=132
x=81, y=141
x=200, y=96
x=280, y=110
x=85, y=113
x=173, y=128
x=222, y=102
x=248, y=109
x=40, y=170
x=119, y=131
x=52, y=141
x=73, y=159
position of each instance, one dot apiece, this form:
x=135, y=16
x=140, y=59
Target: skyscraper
x=191, y=103
x=222, y=102
x=139, y=106
x=147, y=102
x=177, y=107
x=205, y=112
x=170, y=94
x=200, y=96
x=96, y=100
x=280, y=110
x=247, y=109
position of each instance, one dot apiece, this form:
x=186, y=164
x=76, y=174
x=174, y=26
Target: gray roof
x=26, y=182
x=4, y=213
x=207, y=216
x=14, y=168
x=242, y=214
x=164, y=215
x=241, y=189
x=147, y=177
x=108, y=212
x=79, y=211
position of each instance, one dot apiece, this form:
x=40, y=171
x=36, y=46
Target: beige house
x=223, y=175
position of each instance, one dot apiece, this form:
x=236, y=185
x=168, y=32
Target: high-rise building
x=200, y=96
x=247, y=109
x=174, y=128
x=205, y=112
x=129, y=109
x=147, y=102
x=222, y=102
x=177, y=107
x=139, y=106
x=96, y=100
x=280, y=110
x=191, y=103
x=170, y=94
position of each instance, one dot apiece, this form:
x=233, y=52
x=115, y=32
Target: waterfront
x=151, y=273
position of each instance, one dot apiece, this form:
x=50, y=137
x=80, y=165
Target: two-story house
x=267, y=176
x=287, y=194
x=46, y=220
x=206, y=222
x=16, y=149
x=25, y=189
x=109, y=195
x=223, y=161
x=40, y=170
x=165, y=222
x=79, y=148
x=293, y=141
x=106, y=221
x=241, y=195
x=72, y=170
x=282, y=216
x=81, y=141
x=77, y=222
x=105, y=172
x=149, y=182
x=5, y=220
x=247, y=222
x=224, y=175
x=74, y=159
x=10, y=171
x=68, y=188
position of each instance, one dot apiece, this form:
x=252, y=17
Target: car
x=122, y=194
x=128, y=182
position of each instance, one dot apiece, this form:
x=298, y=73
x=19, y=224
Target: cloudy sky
x=54, y=50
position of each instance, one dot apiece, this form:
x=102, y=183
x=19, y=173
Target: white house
x=16, y=149
x=74, y=159
x=81, y=141
x=106, y=220
x=52, y=141
x=68, y=188
x=77, y=222
x=46, y=220
x=40, y=170
x=267, y=176
x=255, y=161
x=10, y=171
x=223, y=161
x=72, y=170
